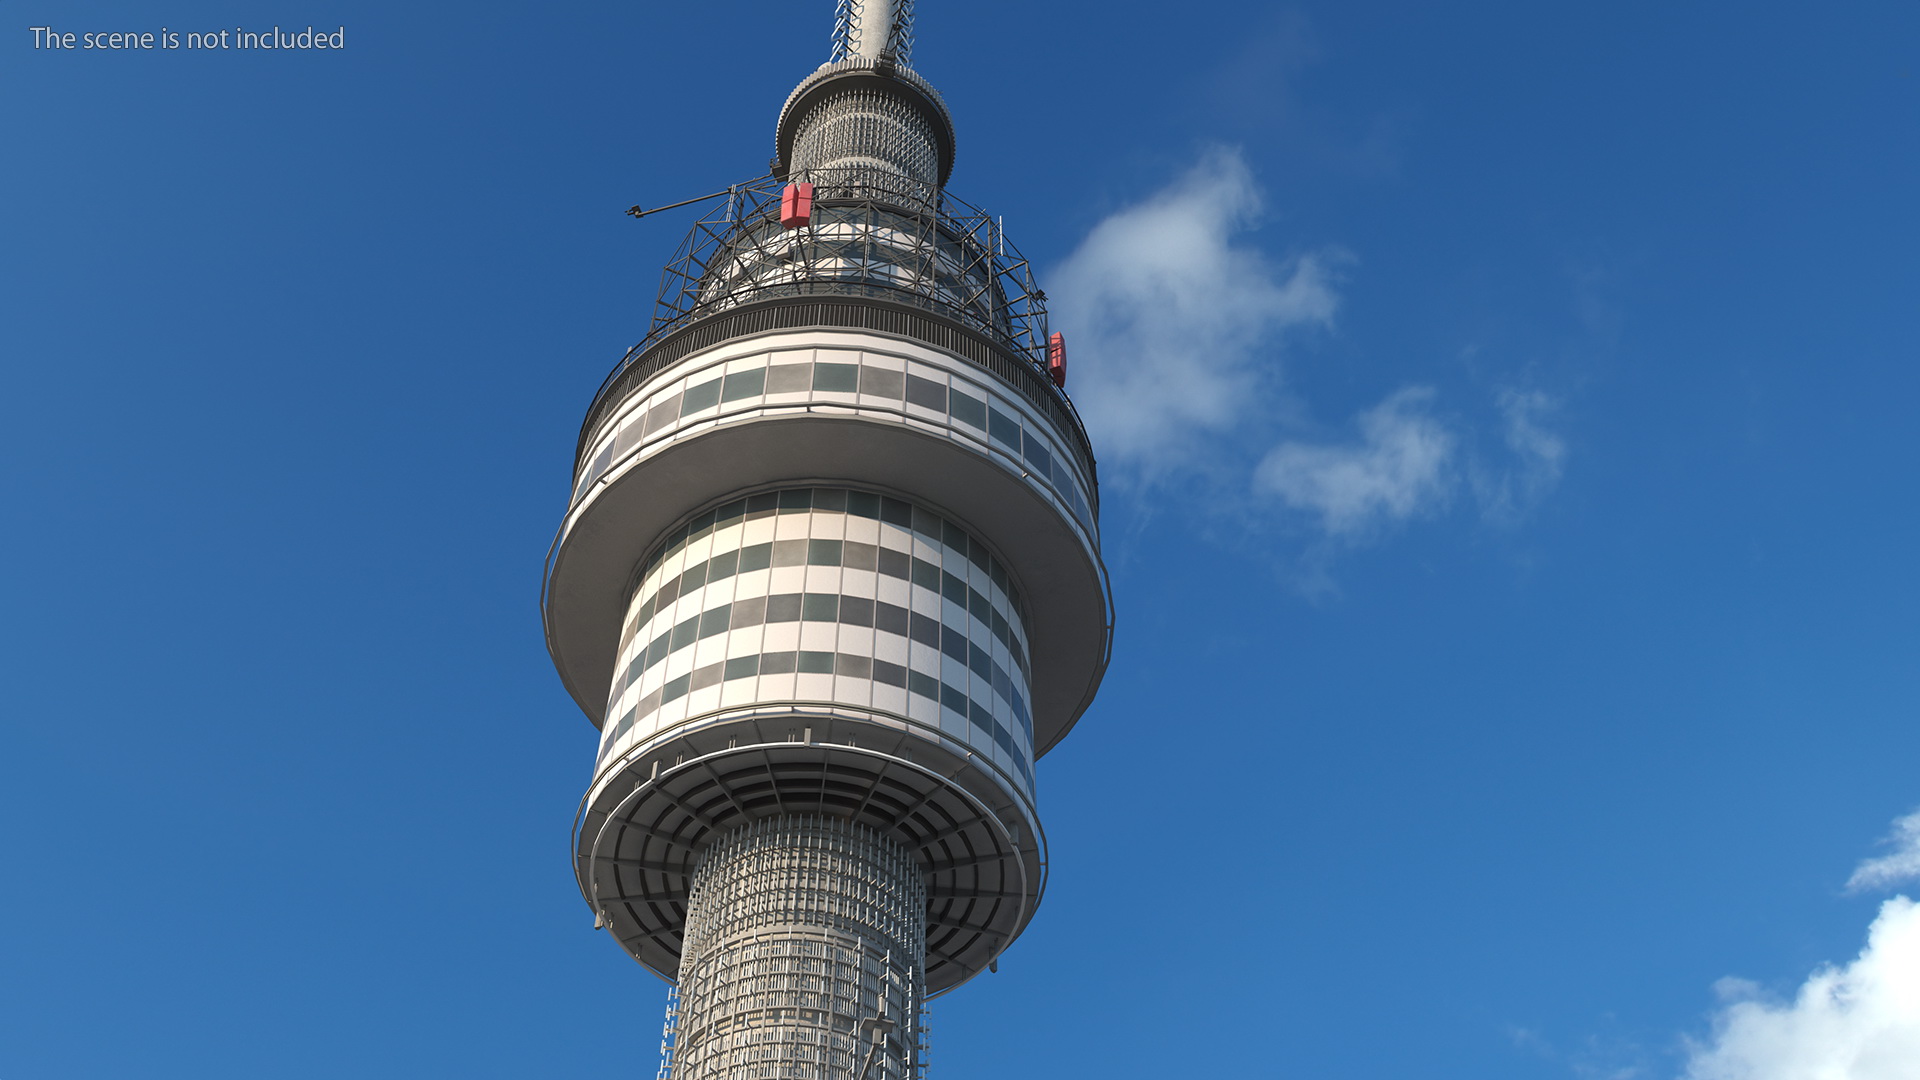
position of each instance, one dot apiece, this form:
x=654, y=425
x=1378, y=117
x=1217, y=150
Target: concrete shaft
x=804, y=957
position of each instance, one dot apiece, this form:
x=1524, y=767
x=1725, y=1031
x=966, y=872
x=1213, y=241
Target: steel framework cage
x=936, y=238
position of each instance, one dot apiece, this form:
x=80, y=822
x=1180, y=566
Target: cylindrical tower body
x=802, y=947
x=829, y=583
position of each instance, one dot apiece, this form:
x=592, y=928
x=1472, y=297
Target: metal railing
x=873, y=236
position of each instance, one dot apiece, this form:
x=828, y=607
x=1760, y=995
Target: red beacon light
x=1057, y=360
x=796, y=205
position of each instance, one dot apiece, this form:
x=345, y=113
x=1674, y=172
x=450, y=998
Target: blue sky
x=1517, y=662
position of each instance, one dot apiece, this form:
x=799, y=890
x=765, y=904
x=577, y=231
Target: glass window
x=953, y=643
x=783, y=608
x=858, y=556
x=1005, y=429
x=862, y=503
x=731, y=512
x=741, y=667
x=695, y=577
x=838, y=378
x=1038, y=455
x=663, y=414
x=676, y=689
x=953, y=536
x=625, y=725
x=823, y=553
x=978, y=553
x=722, y=565
x=684, y=633
x=762, y=504
x=856, y=611
x=978, y=605
x=896, y=563
x=704, y=396
x=926, y=524
x=896, y=512
x=891, y=674
x=705, y=677
x=951, y=587
x=880, y=382
x=890, y=618
x=968, y=409
x=833, y=499
x=1005, y=740
x=926, y=393
x=820, y=607
x=778, y=663
x=925, y=631
x=742, y=384
x=714, y=620
x=789, y=553
x=858, y=667
x=926, y=575
x=789, y=378
x=796, y=499
x=749, y=612
x=979, y=662
x=1000, y=630
x=816, y=663
x=923, y=684
x=657, y=651
x=951, y=698
x=981, y=717
x=756, y=557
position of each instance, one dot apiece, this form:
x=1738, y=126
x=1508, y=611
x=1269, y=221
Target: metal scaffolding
x=873, y=234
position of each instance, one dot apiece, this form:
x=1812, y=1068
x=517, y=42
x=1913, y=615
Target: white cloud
x=1172, y=325
x=1859, y=1022
x=1902, y=865
x=1509, y=490
x=1401, y=467
x=1176, y=328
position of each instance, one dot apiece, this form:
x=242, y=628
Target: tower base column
x=804, y=956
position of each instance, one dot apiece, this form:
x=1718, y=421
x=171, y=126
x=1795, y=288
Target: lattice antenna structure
x=872, y=29
x=829, y=584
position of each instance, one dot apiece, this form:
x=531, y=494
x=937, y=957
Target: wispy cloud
x=1175, y=323
x=1898, y=866
x=1401, y=466
x=1510, y=487
x=1858, y=1022
x=1179, y=326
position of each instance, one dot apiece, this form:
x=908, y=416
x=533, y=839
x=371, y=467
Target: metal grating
x=805, y=949
x=866, y=128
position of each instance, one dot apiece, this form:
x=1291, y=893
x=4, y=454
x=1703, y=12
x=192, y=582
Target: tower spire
x=873, y=30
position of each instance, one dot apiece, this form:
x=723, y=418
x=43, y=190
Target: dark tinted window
x=926, y=393
x=704, y=396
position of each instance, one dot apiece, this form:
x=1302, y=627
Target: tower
x=829, y=583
